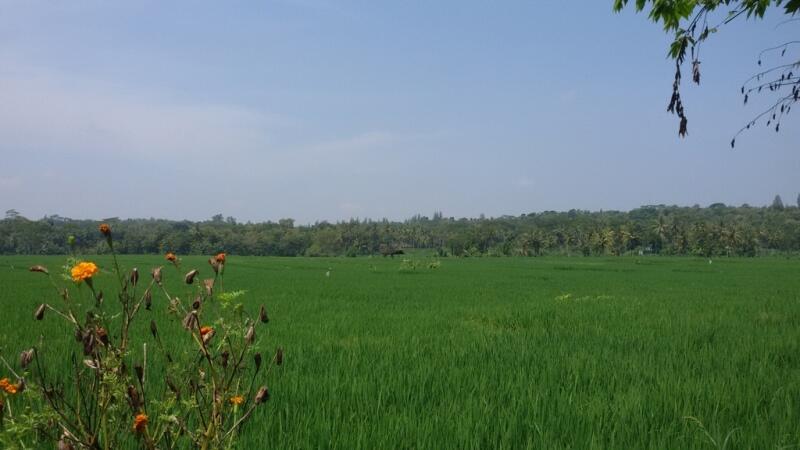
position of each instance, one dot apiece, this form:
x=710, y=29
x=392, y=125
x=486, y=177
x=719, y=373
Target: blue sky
x=326, y=110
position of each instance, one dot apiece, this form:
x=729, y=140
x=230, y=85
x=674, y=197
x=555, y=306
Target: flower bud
x=105, y=230
x=148, y=299
x=279, y=356
x=134, y=276
x=209, y=285
x=196, y=304
x=214, y=264
x=257, y=360
x=153, y=329
x=224, y=357
x=157, y=274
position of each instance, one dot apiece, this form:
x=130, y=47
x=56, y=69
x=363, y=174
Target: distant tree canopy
x=670, y=230
x=694, y=21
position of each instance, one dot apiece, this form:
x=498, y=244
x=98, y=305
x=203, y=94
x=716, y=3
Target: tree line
x=716, y=230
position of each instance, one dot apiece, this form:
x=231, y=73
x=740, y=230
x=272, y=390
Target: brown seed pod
x=153, y=328
x=214, y=264
x=134, y=276
x=250, y=335
x=39, y=268
x=25, y=358
x=102, y=335
x=139, y=370
x=148, y=299
x=196, y=304
x=279, y=356
x=88, y=343
x=157, y=274
x=39, y=314
x=262, y=315
x=133, y=398
x=209, y=285
x=262, y=395
x=189, y=278
x=190, y=321
x=64, y=445
x=257, y=360
x=224, y=357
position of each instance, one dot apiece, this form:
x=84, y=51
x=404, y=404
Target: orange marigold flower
x=140, y=423
x=171, y=257
x=83, y=271
x=3, y=383
x=205, y=330
x=220, y=258
x=105, y=229
x=237, y=400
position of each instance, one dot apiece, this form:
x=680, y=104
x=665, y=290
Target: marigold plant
x=209, y=379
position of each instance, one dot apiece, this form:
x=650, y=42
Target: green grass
x=502, y=353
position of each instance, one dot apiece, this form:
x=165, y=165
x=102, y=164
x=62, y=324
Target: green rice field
x=606, y=353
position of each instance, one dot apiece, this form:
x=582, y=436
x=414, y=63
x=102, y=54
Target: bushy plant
x=209, y=381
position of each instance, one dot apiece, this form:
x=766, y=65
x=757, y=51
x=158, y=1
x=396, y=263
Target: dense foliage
x=714, y=230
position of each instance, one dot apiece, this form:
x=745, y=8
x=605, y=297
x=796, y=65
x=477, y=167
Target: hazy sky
x=323, y=109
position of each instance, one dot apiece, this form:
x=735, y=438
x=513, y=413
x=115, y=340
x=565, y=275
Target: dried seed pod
x=134, y=276
x=189, y=278
x=262, y=395
x=102, y=335
x=153, y=329
x=279, y=356
x=133, y=398
x=250, y=335
x=224, y=357
x=64, y=445
x=208, y=335
x=148, y=299
x=88, y=343
x=257, y=360
x=39, y=314
x=190, y=320
x=39, y=268
x=157, y=274
x=214, y=264
x=262, y=315
x=139, y=370
x=196, y=304
x=208, y=283
x=90, y=363
x=25, y=358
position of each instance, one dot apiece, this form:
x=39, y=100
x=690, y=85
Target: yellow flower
x=140, y=423
x=237, y=400
x=83, y=271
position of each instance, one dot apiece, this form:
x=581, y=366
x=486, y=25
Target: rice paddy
x=498, y=352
